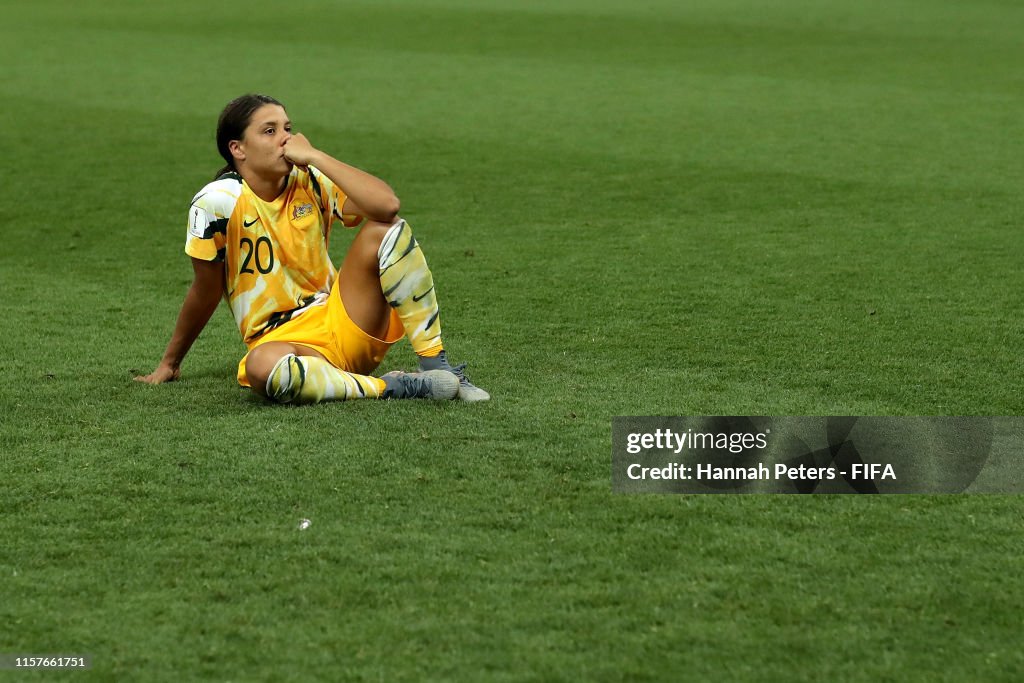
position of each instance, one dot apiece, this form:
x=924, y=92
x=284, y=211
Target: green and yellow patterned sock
x=308, y=379
x=409, y=288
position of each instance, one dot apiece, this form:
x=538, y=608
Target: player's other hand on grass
x=299, y=151
x=163, y=373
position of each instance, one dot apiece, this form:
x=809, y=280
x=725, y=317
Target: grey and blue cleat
x=438, y=385
x=467, y=390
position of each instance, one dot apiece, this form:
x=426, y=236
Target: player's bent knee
x=372, y=233
x=260, y=363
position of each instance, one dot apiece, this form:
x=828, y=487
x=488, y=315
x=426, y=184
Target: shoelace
x=419, y=387
x=460, y=372
x=423, y=388
x=408, y=384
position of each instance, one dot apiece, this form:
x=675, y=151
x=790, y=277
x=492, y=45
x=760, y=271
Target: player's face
x=263, y=142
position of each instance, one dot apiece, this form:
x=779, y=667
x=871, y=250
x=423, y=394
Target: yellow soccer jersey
x=275, y=256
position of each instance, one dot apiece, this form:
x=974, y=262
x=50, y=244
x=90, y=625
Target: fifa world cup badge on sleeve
x=197, y=222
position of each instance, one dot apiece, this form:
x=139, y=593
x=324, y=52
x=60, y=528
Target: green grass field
x=721, y=207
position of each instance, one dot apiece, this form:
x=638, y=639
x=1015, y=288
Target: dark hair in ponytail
x=232, y=124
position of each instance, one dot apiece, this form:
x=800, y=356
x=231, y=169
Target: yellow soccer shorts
x=328, y=330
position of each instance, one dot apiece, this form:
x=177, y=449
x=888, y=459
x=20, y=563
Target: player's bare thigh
x=359, y=281
x=261, y=361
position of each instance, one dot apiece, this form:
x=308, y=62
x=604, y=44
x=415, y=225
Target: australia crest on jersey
x=301, y=210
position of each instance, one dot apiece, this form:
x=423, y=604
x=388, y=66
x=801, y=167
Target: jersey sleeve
x=330, y=197
x=208, y=220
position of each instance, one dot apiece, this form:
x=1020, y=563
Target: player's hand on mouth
x=298, y=150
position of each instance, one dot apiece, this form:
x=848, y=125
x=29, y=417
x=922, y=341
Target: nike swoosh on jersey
x=246, y=223
x=417, y=298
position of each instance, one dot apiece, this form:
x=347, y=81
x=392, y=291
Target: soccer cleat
x=467, y=390
x=439, y=385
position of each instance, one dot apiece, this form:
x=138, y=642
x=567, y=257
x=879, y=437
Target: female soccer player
x=258, y=236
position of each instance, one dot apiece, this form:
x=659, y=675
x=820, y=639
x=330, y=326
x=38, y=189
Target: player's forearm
x=196, y=311
x=374, y=196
